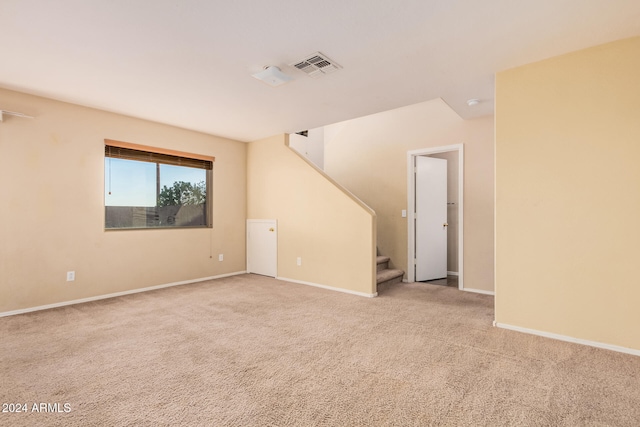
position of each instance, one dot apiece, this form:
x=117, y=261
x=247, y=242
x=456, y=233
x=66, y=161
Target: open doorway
x=452, y=221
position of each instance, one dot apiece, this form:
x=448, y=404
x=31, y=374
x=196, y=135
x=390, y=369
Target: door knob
x=445, y=225
x=271, y=229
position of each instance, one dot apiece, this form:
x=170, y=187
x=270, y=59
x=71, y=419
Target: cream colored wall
x=369, y=157
x=52, y=212
x=317, y=221
x=568, y=195
x=310, y=146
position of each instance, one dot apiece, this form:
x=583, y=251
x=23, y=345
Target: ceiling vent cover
x=316, y=65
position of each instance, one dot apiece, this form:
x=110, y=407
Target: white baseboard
x=331, y=288
x=116, y=294
x=569, y=339
x=452, y=273
x=479, y=291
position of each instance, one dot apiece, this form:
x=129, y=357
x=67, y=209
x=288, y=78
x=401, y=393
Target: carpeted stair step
x=385, y=278
x=382, y=262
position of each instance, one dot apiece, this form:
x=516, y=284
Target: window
x=153, y=188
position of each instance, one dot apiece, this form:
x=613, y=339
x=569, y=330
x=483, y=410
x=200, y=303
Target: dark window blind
x=149, y=156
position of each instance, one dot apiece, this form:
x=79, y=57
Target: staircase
x=385, y=276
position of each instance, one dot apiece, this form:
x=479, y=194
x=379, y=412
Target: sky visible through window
x=133, y=183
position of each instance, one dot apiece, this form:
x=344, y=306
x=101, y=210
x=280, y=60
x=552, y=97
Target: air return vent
x=316, y=65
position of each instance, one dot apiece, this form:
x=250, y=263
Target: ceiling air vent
x=316, y=65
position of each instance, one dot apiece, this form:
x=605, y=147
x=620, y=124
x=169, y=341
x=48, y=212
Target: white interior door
x=431, y=218
x=262, y=247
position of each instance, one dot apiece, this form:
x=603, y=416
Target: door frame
x=411, y=203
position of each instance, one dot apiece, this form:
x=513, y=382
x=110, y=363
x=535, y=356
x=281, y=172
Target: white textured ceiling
x=189, y=62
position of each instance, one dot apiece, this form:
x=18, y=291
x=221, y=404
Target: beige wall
x=317, y=221
x=369, y=157
x=310, y=146
x=52, y=213
x=568, y=195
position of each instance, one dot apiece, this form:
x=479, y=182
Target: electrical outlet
x=404, y=213
x=299, y=261
x=71, y=276
x=221, y=257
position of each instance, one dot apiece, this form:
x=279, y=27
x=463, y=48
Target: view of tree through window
x=183, y=193
x=149, y=190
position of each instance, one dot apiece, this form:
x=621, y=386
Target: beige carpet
x=253, y=351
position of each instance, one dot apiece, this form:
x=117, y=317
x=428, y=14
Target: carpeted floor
x=253, y=351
